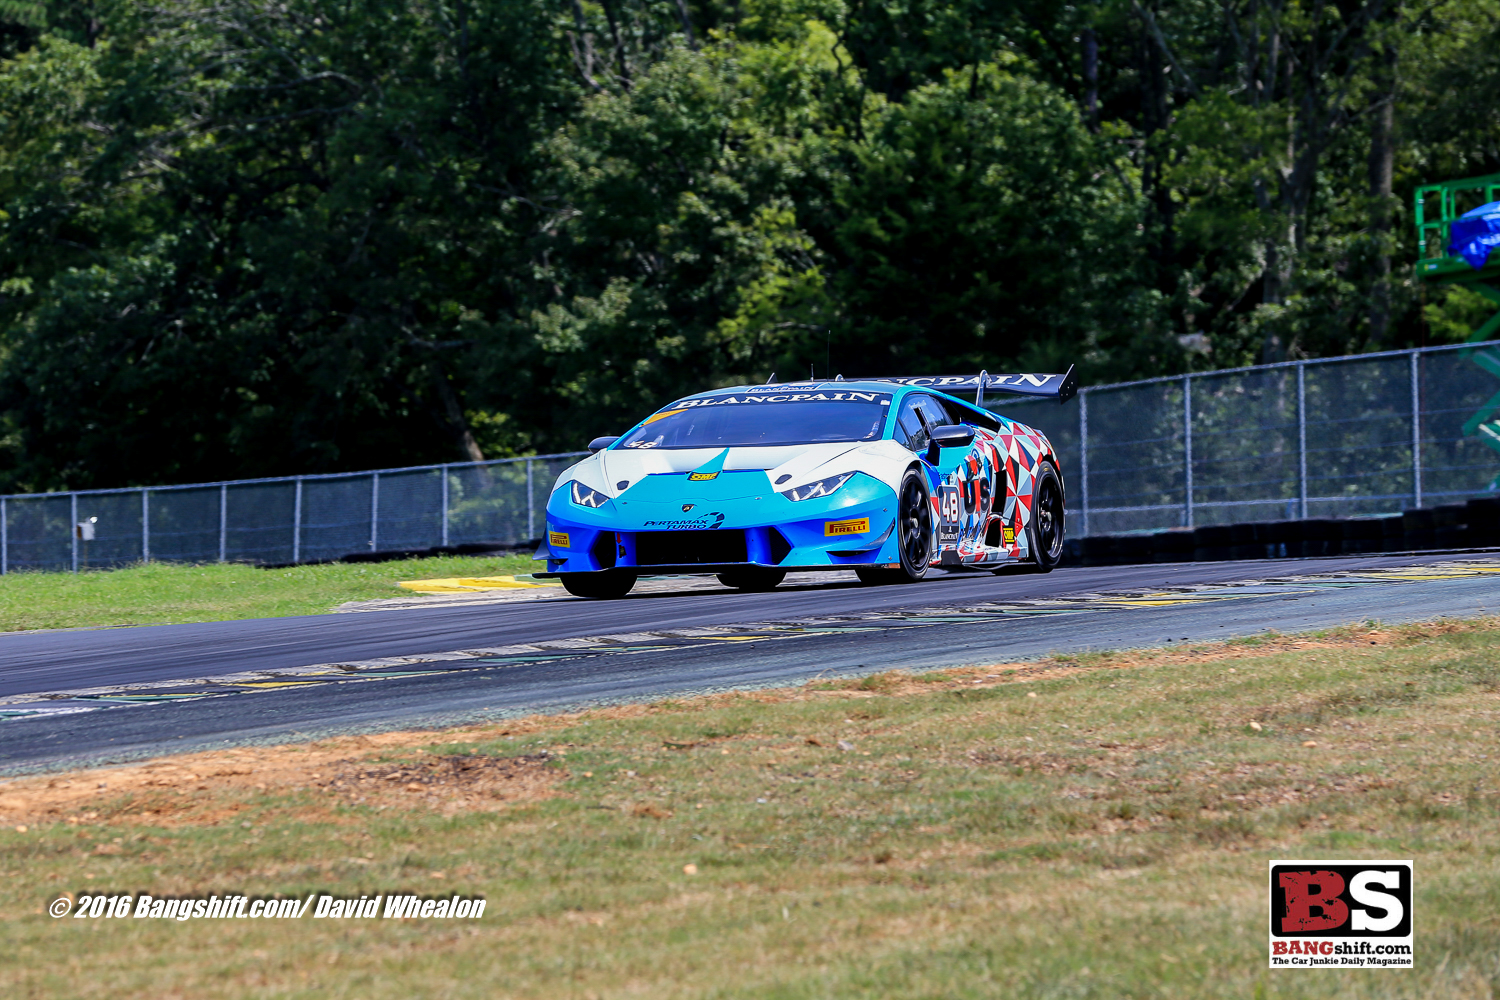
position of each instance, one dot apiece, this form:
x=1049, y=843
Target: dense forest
x=263, y=237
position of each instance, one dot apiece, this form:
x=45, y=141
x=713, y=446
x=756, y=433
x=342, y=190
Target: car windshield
x=750, y=421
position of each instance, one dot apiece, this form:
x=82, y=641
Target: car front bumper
x=672, y=526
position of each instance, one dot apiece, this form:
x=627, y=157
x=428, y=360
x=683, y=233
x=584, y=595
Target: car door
x=918, y=415
x=968, y=488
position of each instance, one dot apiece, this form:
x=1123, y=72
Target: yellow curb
x=469, y=584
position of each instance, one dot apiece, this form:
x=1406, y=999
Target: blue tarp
x=1474, y=234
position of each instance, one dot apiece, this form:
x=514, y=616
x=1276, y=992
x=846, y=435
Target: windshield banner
x=820, y=396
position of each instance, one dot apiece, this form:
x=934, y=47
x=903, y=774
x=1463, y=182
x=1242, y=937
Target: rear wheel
x=607, y=585
x=753, y=579
x=913, y=534
x=1044, y=532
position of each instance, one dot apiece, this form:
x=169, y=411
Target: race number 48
x=950, y=511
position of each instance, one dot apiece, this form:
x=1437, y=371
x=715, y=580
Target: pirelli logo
x=702, y=477
x=560, y=539
x=855, y=527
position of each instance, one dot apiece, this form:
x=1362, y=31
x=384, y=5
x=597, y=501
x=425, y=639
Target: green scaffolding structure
x=1437, y=206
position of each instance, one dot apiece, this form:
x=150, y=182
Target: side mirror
x=599, y=444
x=948, y=436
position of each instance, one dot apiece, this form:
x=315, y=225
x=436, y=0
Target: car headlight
x=821, y=488
x=585, y=497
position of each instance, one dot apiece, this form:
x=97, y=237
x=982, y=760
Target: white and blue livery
x=887, y=477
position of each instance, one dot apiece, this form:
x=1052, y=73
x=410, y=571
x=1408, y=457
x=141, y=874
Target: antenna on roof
x=984, y=380
x=771, y=379
x=810, y=374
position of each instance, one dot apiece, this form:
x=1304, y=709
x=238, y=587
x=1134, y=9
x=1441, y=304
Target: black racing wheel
x=606, y=585
x=1044, y=532
x=913, y=534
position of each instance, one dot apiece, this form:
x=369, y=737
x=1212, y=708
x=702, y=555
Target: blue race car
x=886, y=477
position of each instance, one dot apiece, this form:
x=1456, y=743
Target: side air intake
x=780, y=547
x=603, y=549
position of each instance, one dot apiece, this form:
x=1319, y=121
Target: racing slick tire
x=607, y=585
x=755, y=580
x=1044, y=533
x=913, y=534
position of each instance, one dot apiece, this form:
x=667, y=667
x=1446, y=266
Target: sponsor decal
x=794, y=387
x=970, y=381
x=821, y=396
x=1341, y=915
x=702, y=477
x=1008, y=535
x=559, y=539
x=857, y=526
x=708, y=521
x=687, y=507
x=950, y=510
x=664, y=413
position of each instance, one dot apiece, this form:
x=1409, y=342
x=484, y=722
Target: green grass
x=1106, y=838
x=160, y=593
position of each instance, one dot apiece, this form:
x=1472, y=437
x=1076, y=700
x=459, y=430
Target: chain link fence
x=1342, y=437
x=277, y=521
x=1358, y=436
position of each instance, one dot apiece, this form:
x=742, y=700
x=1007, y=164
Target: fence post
x=1416, y=431
x=445, y=506
x=1083, y=454
x=145, y=525
x=1187, y=450
x=374, y=510
x=73, y=526
x=297, y=523
x=4, y=539
x=1302, y=438
x=530, y=503
x=223, y=522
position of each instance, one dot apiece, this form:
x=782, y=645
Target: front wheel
x=913, y=534
x=1044, y=532
x=607, y=585
x=753, y=579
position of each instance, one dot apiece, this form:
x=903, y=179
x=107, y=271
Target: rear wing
x=1060, y=387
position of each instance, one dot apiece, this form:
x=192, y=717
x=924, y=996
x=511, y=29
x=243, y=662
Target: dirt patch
x=206, y=788
x=1038, y=761
x=458, y=783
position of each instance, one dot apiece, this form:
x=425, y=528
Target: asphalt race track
x=75, y=697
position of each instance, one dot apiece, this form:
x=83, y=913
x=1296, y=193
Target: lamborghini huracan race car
x=886, y=477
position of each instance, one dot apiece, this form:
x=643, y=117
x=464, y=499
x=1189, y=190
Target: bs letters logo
x=1341, y=914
